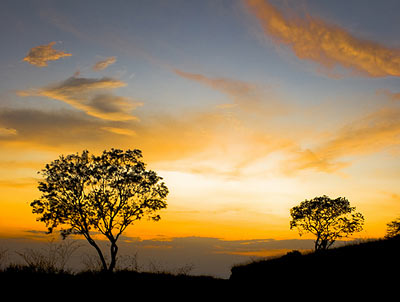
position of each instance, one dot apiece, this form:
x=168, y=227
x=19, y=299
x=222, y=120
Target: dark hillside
x=360, y=268
x=373, y=262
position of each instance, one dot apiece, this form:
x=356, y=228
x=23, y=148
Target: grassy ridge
x=372, y=262
x=368, y=265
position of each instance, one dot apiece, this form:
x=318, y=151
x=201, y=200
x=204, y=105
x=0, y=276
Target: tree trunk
x=113, y=253
x=317, y=242
x=103, y=261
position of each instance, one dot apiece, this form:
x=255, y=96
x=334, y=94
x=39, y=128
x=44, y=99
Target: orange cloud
x=327, y=44
x=209, y=143
x=104, y=63
x=391, y=95
x=89, y=95
x=307, y=159
x=5, y=132
x=231, y=87
x=373, y=133
x=248, y=97
x=39, y=55
x=120, y=131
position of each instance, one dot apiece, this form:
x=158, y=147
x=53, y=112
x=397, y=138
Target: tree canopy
x=393, y=229
x=328, y=219
x=85, y=193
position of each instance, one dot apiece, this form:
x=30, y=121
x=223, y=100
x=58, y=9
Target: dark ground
x=357, y=270
x=365, y=265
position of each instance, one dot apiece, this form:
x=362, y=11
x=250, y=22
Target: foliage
x=104, y=194
x=327, y=219
x=393, y=229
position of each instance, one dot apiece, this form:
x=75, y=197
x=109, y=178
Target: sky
x=245, y=108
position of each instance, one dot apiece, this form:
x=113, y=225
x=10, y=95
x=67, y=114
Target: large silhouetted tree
x=87, y=194
x=327, y=219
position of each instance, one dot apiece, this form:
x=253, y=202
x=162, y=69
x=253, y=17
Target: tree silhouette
x=393, y=229
x=327, y=219
x=103, y=194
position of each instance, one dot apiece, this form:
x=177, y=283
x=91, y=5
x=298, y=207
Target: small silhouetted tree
x=393, y=229
x=327, y=219
x=87, y=194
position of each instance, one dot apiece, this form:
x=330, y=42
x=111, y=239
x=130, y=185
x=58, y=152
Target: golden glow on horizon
x=200, y=204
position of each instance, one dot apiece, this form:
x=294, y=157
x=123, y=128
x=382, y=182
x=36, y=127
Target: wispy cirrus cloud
x=103, y=64
x=232, y=87
x=370, y=134
x=91, y=96
x=120, y=131
x=40, y=55
x=246, y=96
x=330, y=45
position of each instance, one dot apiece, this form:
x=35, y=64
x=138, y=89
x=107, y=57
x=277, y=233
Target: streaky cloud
x=329, y=45
x=6, y=132
x=248, y=97
x=120, y=131
x=90, y=96
x=103, y=64
x=40, y=55
x=232, y=87
x=370, y=134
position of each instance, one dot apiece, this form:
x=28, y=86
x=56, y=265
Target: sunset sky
x=245, y=108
